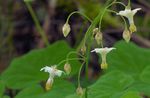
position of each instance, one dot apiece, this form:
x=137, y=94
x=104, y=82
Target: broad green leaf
x=5, y=97
x=60, y=90
x=129, y=58
x=33, y=91
x=73, y=96
x=25, y=71
x=131, y=94
x=2, y=88
x=133, y=61
x=109, y=85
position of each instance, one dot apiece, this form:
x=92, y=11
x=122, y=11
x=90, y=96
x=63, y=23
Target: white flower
x=128, y=13
x=53, y=71
x=103, y=52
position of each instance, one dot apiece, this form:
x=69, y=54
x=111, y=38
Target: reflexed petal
x=46, y=69
x=109, y=49
x=135, y=10
x=125, y=13
x=97, y=50
x=58, y=73
x=102, y=50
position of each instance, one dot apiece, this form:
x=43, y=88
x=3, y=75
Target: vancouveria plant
x=57, y=52
x=53, y=71
x=83, y=51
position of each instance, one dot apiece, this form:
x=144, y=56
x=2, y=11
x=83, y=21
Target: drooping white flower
x=128, y=13
x=53, y=71
x=103, y=52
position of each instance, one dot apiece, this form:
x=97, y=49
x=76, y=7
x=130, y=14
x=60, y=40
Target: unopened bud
x=66, y=29
x=95, y=30
x=132, y=28
x=98, y=37
x=67, y=68
x=126, y=35
x=79, y=91
x=49, y=84
x=83, y=49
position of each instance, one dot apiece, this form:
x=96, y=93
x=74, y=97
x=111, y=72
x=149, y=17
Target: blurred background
x=18, y=34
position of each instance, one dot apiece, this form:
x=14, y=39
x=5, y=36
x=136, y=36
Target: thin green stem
x=105, y=11
x=74, y=52
x=79, y=74
x=39, y=28
x=129, y=4
x=88, y=58
x=77, y=12
x=72, y=59
x=120, y=16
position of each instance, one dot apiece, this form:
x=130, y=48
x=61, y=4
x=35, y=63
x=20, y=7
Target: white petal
x=110, y=49
x=135, y=10
x=102, y=50
x=58, y=73
x=97, y=50
x=46, y=69
x=125, y=13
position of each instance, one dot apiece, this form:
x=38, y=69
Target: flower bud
x=95, y=30
x=126, y=35
x=80, y=91
x=104, y=64
x=66, y=29
x=98, y=37
x=83, y=49
x=132, y=28
x=49, y=84
x=67, y=68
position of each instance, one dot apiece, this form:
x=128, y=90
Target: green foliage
x=73, y=96
x=131, y=94
x=60, y=90
x=25, y=71
x=5, y=97
x=132, y=61
x=111, y=85
x=127, y=75
x=2, y=88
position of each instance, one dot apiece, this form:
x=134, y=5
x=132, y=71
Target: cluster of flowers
x=128, y=13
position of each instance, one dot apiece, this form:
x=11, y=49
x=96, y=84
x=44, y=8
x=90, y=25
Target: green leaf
x=60, y=90
x=73, y=96
x=109, y=85
x=5, y=97
x=2, y=88
x=133, y=61
x=33, y=91
x=131, y=94
x=25, y=71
